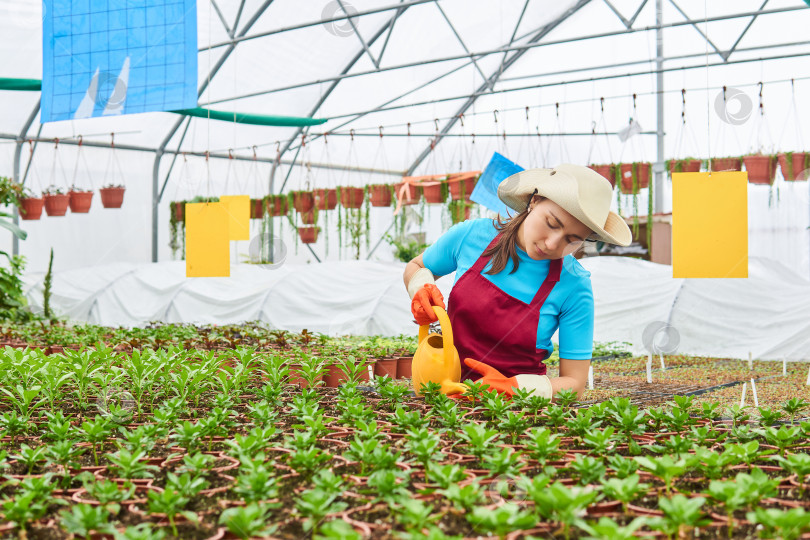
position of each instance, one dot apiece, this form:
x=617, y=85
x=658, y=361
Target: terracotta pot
x=81, y=496
x=80, y=201
x=634, y=510
x=308, y=217
x=793, y=173
x=606, y=508
x=465, y=182
x=404, y=364
x=727, y=164
x=325, y=199
x=761, y=169
x=295, y=378
x=278, y=205
x=256, y=208
x=233, y=463
x=334, y=376
x=179, y=209
x=433, y=194
x=412, y=195
x=303, y=201
x=56, y=205
x=31, y=208
x=643, y=177
x=386, y=366
x=687, y=165
x=361, y=526
x=351, y=197
x=112, y=197
x=606, y=171
x=380, y=195
x=542, y=531
x=223, y=534
x=309, y=235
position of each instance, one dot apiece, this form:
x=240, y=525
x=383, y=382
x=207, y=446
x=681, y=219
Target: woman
x=517, y=281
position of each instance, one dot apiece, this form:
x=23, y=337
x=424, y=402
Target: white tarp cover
x=765, y=314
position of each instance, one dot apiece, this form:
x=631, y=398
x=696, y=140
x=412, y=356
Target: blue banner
x=486, y=189
x=113, y=57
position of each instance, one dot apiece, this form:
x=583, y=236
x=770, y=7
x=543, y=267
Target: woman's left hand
x=540, y=384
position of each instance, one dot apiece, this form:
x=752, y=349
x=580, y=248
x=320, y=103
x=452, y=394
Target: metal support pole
x=15, y=174
x=658, y=184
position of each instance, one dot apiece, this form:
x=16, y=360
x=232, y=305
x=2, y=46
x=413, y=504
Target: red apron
x=491, y=326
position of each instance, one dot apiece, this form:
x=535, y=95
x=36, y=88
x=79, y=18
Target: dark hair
x=506, y=246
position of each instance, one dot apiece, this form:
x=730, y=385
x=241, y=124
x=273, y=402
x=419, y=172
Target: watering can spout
x=436, y=358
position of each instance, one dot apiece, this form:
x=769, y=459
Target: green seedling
x=664, y=467
x=680, y=513
x=562, y=504
x=464, y=498
x=607, y=529
x=785, y=524
x=127, y=464
x=171, y=503
x=543, y=445
x=600, y=442
x=622, y=467
x=84, y=520
x=313, y=505
x=625, y=490
x=501, y=520
x=256, y=484
x=249, y=521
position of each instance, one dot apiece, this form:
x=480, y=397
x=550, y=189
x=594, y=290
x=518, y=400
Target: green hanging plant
x=177, y=228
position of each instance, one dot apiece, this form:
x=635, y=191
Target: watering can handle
x=447, y=335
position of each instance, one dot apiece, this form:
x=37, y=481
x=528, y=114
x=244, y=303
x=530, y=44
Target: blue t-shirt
x=569, y=306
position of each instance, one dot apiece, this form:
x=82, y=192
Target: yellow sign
x=207, y=253
x=238, y=208
x=710, y=225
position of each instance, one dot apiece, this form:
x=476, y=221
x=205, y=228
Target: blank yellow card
x=238, y=208
x=710, y=225
x=207, y=253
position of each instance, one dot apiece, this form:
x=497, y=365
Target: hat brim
x=516, y=190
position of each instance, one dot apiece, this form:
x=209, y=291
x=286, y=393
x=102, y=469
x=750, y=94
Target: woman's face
x=549, y=232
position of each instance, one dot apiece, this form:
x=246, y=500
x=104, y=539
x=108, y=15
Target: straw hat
x=581, y=191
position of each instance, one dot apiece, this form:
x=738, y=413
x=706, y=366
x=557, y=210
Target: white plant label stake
x=808, y=377
x=754, y=391
x=750, y=361
x=784, y=367
x=649, y=369
x=742, y=399
x=370, y=372
x=661, y=357
x=590, y=377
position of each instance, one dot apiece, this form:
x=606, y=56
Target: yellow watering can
x=436, y=358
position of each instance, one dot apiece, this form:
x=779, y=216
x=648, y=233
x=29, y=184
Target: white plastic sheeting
x=765, y=314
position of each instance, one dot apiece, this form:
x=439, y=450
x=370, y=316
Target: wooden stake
x=754, y=391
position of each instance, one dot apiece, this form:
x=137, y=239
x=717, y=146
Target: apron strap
x=482, y=261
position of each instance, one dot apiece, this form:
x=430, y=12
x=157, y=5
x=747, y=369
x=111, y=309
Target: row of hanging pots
x=625, y=173
x=57, y=204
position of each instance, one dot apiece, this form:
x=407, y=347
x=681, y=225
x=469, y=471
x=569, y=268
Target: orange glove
x=540, y=384
x=423, y=301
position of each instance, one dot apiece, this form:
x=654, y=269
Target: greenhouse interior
x=408, y=269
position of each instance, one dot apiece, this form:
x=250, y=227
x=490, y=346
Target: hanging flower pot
x=606, y=171
x=761, y=168
x=308, y=235
x=351, y=197
x=303, y=201
x=380, y=194
x=727, y=164
x=80, y=201
x=31, y=208
x=256, y=208
x=462, y=184
x=112, y=196
x=56, y=204
x=178, y=209
x=683, y=165
x=792, y=165
x=277, y=205
x=325, y=199
x=639, y=171
x=435, y=193
x=309, y=217
x=412, y=195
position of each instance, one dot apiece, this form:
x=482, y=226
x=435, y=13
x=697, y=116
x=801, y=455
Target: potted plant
x=683, y=165
x=406, y=251
x=256, y=208
x=607, y=171
x=761, y=168
x=177, y=219
x=631, y=177
x=380, y=194
x=308, y=234
x=435, y=190
x=302, y=201
x=325, y=199
x=56, y=201
x=351, y=197
x=112, y=195
x=727, y=164
x=80, y=200
x=462, y=184
x=792, y=165
x=277, y=205
x=30, y=206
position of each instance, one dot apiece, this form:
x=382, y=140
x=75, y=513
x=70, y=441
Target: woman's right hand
x=422, y=304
